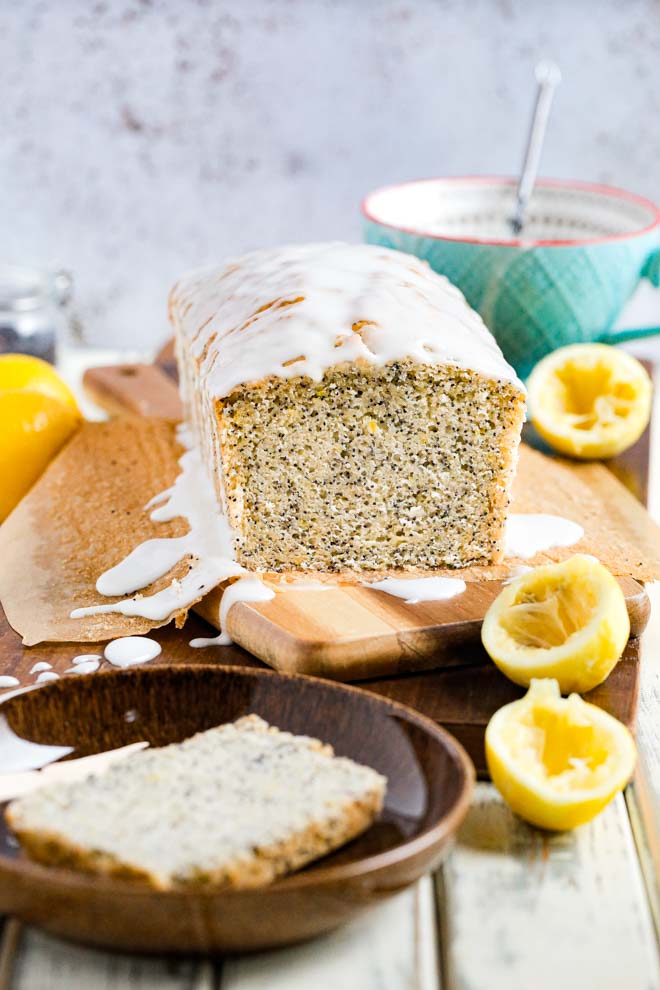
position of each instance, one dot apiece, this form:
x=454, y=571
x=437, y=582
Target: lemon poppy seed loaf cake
x=354, y=413
x=235, y=806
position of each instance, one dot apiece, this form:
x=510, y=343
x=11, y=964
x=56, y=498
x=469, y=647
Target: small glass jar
x=32, y=310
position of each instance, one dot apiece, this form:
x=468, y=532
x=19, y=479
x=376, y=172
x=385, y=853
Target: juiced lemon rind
x=590, y=401
x=580, y=593
x=516, y=750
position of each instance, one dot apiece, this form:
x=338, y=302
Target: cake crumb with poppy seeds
x=236, y=806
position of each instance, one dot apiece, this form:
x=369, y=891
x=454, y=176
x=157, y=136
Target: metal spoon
x=548, y=78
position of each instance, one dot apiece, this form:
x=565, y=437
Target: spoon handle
x=548, y=78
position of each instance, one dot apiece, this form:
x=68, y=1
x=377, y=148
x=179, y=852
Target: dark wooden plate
x=430, y=780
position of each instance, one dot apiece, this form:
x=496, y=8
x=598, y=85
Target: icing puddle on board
x=42, y=665
x=86, y=667
x=247, y=589
x=86, y=663
x=414, y=590
x=528, y=534
x=129, y=651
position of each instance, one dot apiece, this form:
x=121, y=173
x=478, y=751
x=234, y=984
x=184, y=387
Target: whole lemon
x=38, y=414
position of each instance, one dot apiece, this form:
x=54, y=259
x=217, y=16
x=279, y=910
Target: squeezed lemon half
x=557, y=761
x=38, y=414
x=589, y=400
x=568, y=621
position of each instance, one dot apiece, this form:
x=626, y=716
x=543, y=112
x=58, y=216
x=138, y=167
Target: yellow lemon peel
x=38, y=414
x=568, y=621
x=590, y=401
x=557, y=761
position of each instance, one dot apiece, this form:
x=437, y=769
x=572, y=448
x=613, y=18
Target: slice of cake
x=236, y=806
x=354, y=413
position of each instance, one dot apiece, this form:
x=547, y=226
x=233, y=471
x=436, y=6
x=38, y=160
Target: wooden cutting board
x=462, y=691
x=462, y=697
x=345, y=633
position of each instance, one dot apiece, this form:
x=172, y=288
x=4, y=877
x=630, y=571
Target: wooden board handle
x=138, y=388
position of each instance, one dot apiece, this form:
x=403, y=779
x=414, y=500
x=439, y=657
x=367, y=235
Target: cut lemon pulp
x=589, y=400
x=557, y=761
x=568, y=621
x=38, y=414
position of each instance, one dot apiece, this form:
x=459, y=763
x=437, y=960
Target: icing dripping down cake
x=354, y=413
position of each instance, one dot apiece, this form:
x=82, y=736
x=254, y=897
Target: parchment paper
x=83, y=516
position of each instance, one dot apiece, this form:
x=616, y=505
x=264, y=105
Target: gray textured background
x=140, y=139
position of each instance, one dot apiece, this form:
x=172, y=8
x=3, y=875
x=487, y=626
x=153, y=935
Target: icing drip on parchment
x=208, y=543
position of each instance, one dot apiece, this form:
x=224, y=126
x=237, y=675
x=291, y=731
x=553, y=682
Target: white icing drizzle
x=86, y=657
x=208, y=543
x=301, y=309
x=414, y=590
x=146, y=563
x=41, y=665
x=528, y=534
x=247, y=589
x=86, y=667
x=129, y=651
x=46, y=676
x=6, y=681
x=17, y=755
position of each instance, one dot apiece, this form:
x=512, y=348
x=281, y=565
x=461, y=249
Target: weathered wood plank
x=643, y=797
x=10, y=937
x=392, y=947
x=521, y=908
x=42, y=962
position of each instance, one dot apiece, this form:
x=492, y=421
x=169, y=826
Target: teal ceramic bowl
x=564, y=281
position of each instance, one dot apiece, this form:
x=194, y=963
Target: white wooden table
x=511, y=908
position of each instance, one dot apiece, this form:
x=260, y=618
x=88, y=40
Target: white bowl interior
x=481, y=209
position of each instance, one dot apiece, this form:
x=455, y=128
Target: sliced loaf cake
x=236, y=806
x=354, y=413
